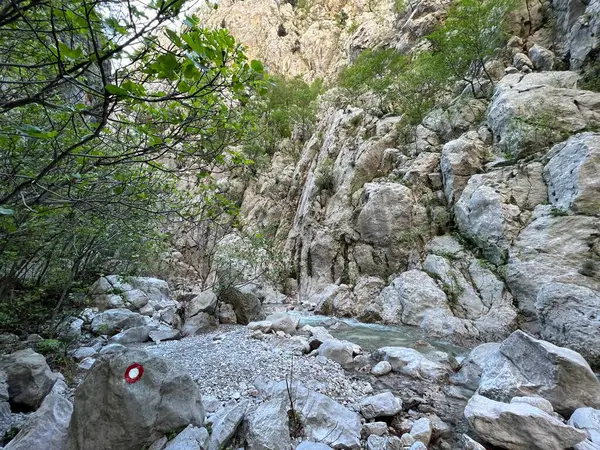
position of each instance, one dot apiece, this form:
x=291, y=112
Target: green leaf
x=116, y=90
x=183, y=86
x=36, y=132
x=174, y=37
x=257, y=66
x=70, y=53
x=114, y=24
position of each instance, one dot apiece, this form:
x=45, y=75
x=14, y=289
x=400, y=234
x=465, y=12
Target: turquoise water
x=372, y=336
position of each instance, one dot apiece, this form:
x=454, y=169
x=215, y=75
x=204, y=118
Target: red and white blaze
x=133, y=373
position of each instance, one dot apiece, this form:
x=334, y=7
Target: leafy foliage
x=324, y=179
x=286, y=105
x=410, y=85
x=105, y=115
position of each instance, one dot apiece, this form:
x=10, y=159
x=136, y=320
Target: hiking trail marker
x=133, y=373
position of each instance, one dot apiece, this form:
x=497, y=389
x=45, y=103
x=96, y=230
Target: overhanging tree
x=105, y=111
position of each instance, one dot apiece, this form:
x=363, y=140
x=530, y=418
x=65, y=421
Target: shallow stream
x=372, y=336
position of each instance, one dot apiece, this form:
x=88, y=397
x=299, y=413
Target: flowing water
x=371, y=336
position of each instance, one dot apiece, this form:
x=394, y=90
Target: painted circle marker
x=133, y=373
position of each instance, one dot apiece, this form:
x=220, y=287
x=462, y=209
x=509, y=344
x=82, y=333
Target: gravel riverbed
x=228, y=364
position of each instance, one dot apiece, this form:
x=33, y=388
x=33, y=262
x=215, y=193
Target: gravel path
x=229, y=364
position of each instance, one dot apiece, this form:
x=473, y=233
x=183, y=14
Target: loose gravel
x=229, y=364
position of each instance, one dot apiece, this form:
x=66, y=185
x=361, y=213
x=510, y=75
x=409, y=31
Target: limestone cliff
x=316, y=38
x=487, y=219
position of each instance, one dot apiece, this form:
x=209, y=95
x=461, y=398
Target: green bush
x=399, y=6
x=324, y=176
x=410, y=85
x=285, y=104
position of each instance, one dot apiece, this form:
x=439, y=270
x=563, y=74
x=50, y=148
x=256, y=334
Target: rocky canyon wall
x=484, y=220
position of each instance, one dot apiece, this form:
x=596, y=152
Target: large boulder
x=524, y=366
x=409, y=296
x=572, y=174
x=225, y=424
x=204, y=302
x=112, y=411
x=245, y=303
x=494, y=206
x=532, y=111
x=192, y=438
x=200, y=323
x=113, y=321
x=132, y=335
x=460, y=159
x=276, y=322
x=410, y=362
x=555, y=248
x=567, y=317
x=46, y=428
x=380, y=405
x=29, y=378
x=471, y=367
x=323, y=420
x=588, y=420
x=342, y=352
x=516, y=426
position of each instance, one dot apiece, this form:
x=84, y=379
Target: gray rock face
x=376, y=428
x=246, y=305
x=276, y=322
x=164, y=399
x=412, y=363
x=4, y=405
x=131, y=335
x=566, y=314
x=138, y=294
x=112, y=348
x=409, y=296
x=307, y=445
x=192, y=438
x=524, y=366
x=460, y=159
x=584, y=40
x=381, y=368
x=380, y=405
x=164, y=335
x=493, y=206
x=200, y=323
x=523, y=106
x=471, y=444
x=547, y=274
x=225, y=425
x=538, y=402
x=422, y=430
x=588, y=420
x=46, y=428
x=204, y=302
x=571, y=174
x=83, y=352
x=29, y=378
x=519, y=425
x=542, y=58
x=388, y=211
x=338, y=351
x=471, y=368
x=112, y=321
x=268, y=427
